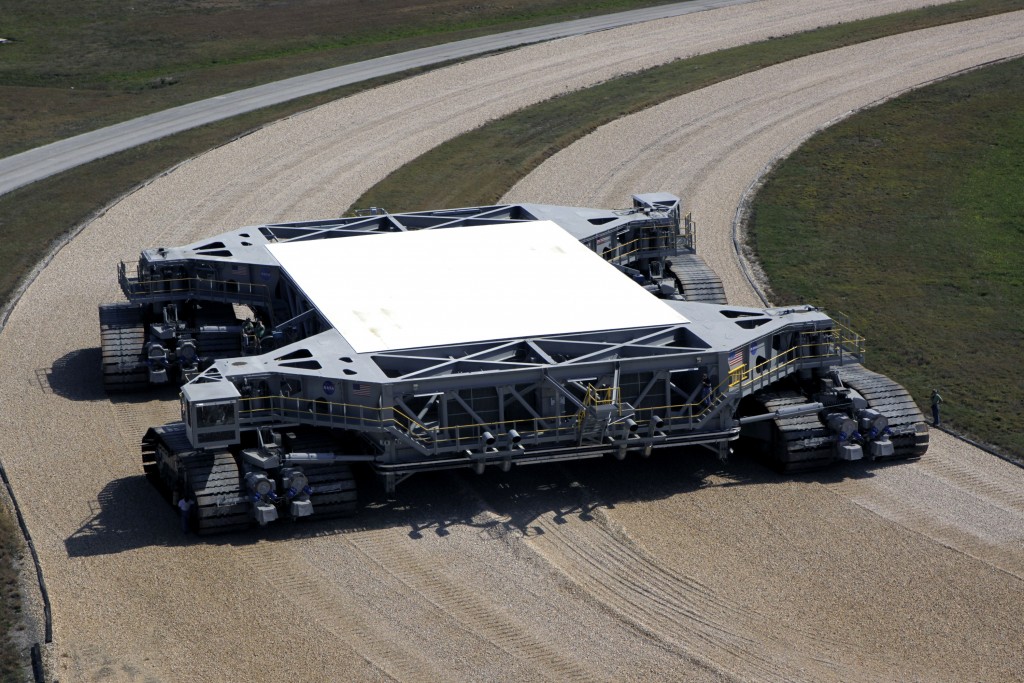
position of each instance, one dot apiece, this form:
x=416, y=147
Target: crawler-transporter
x=471, y=338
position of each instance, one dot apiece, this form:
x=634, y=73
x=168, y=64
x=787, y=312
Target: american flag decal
x=735, y=359
x=360, y=389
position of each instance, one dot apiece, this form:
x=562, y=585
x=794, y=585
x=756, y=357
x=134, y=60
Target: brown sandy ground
x=473, y=579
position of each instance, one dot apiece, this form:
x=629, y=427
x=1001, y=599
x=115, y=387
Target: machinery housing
x=468, y=338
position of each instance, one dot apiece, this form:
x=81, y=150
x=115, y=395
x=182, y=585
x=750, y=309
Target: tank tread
x=172, y=435
x=802, y=443
x=169, y=438
x=122, y=339
x=218, y=344
x=212, y=480
x=334, y=487
x=696, y=280
x=334, y=490
x=909, y=429
x=120, y=313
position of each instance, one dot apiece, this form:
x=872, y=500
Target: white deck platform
x=459, y=285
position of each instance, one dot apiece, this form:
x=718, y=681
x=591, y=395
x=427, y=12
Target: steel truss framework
x=662, y=209
x=572, y=349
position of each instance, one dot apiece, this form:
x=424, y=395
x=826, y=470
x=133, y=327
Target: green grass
x=33, y=217
x=76, y=65
x=910, y=218
x=479, y=167
x=12, y=666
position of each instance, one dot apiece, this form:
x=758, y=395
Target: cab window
x=215, y=415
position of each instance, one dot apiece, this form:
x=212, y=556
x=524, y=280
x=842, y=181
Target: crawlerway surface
x=673, y=568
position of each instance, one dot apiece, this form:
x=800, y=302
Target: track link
x=909, y=429
x=212, y=480
x=696, y=280
x=122, y=338
x=801, y=443
x=334, y=491
x=334, y=486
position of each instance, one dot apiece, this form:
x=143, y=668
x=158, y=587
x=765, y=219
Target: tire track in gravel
x=1003, y=492
x=678, y=610
x=336, y=615
x=709, y=147
x=469, y=612
x=134, y=415
x=973, y=502
x=663, y=602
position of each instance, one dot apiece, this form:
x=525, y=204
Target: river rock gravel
x=670, y=569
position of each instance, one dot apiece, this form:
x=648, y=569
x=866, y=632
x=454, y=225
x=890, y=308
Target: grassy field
x=33, y=217
x=479, y=167
x=76, y=65
x=12, y=668
x=910, y=218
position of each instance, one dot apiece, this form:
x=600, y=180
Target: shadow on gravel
x=129, y=513
x=167, y=392
x=577, y=489
x=74, y=376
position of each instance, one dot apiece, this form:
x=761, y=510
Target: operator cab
x=210, y=413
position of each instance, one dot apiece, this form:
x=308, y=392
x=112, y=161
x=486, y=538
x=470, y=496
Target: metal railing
x=431, y=438
x=231, y=291
x=688, y=232
x=826, y=345
x=647, y=245
x=849, y=341
x=597, y=396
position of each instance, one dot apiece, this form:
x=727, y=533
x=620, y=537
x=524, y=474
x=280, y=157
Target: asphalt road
x=27, y=167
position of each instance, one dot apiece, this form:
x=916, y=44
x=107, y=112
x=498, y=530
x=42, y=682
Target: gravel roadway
x=679, y=568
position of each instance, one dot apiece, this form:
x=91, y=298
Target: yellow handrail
x=597, y=396
x=186, y=284
x=656, y=241
x=372, y=416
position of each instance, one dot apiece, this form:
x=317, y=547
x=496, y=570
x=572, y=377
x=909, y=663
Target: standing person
x=705, y=390
x=936, y=401
x=248, y=331
x=259, y=330
x=185, y=506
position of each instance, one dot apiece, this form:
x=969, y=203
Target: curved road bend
x=35, y=164
x=445, y=588
x=853, y=572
